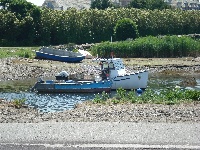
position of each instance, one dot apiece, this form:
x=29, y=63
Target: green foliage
x=140, y=4
x=21, y=8
x=101, y=98
x=165, y=96
x=97, y=99
x=35, y=26
x=149, y=4
x=101, y=4
x=194, y=95
x=121, y=93
x=26, y=52
x=18, y=103
x=125, y=29
x=149, y=47
x=19, y=23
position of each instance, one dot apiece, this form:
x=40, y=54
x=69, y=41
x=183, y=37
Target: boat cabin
x=112, y=66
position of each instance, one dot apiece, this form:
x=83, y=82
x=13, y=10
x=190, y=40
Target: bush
x=125, y=29
x=18, y=103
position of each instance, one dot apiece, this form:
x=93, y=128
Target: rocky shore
x=20, y=68
x=88, y=112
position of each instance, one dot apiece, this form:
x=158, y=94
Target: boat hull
x=42, y=55
x=73, y=87
x=130, y=81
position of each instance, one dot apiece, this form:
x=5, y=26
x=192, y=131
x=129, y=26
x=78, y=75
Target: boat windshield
x=105, y=65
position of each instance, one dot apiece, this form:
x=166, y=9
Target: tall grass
x=150, y=47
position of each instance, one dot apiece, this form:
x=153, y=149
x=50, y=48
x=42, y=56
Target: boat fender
x=139, y=91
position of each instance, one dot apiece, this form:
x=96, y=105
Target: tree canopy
x=149, y=4
x=20, y=21
x=21, y=8
x=101, y=4
x=91, y=26
x=125, y=28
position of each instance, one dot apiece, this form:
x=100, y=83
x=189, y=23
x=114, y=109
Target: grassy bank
x=26, y=52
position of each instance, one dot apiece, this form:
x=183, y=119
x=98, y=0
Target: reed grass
x=150, y=47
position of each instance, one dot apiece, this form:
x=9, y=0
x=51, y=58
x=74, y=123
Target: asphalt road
x=99, y=135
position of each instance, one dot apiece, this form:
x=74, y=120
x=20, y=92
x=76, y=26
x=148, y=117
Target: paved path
x=88, y=135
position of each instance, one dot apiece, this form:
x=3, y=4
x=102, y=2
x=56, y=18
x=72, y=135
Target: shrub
x=18, y=103
x=125, y=29
x=101, y=98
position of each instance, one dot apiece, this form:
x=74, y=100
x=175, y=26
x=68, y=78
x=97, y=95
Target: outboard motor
x=63, y=75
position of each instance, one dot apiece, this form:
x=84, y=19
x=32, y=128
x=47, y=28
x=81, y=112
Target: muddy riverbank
x=20, y=68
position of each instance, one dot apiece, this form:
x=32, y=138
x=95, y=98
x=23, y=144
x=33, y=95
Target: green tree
x=101, y=4
x=23, y=8
x=125, y=28
x=140, y=4
x=9, y=26
x=149, y=4
x=158, y=4
x=26, y=25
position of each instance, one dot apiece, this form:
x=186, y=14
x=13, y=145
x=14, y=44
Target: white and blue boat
x=113, y=76
x=63, y=85
x=59, y=55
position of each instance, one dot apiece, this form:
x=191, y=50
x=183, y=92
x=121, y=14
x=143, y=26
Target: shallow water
x=49, y=102
x=61, y=102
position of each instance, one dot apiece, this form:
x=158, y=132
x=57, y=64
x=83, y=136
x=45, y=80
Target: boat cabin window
x=111, y=65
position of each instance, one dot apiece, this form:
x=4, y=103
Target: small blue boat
x=63, y=85
x=59, y=55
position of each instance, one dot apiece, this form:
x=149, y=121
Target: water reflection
x=61, y=102
x=169, y=82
